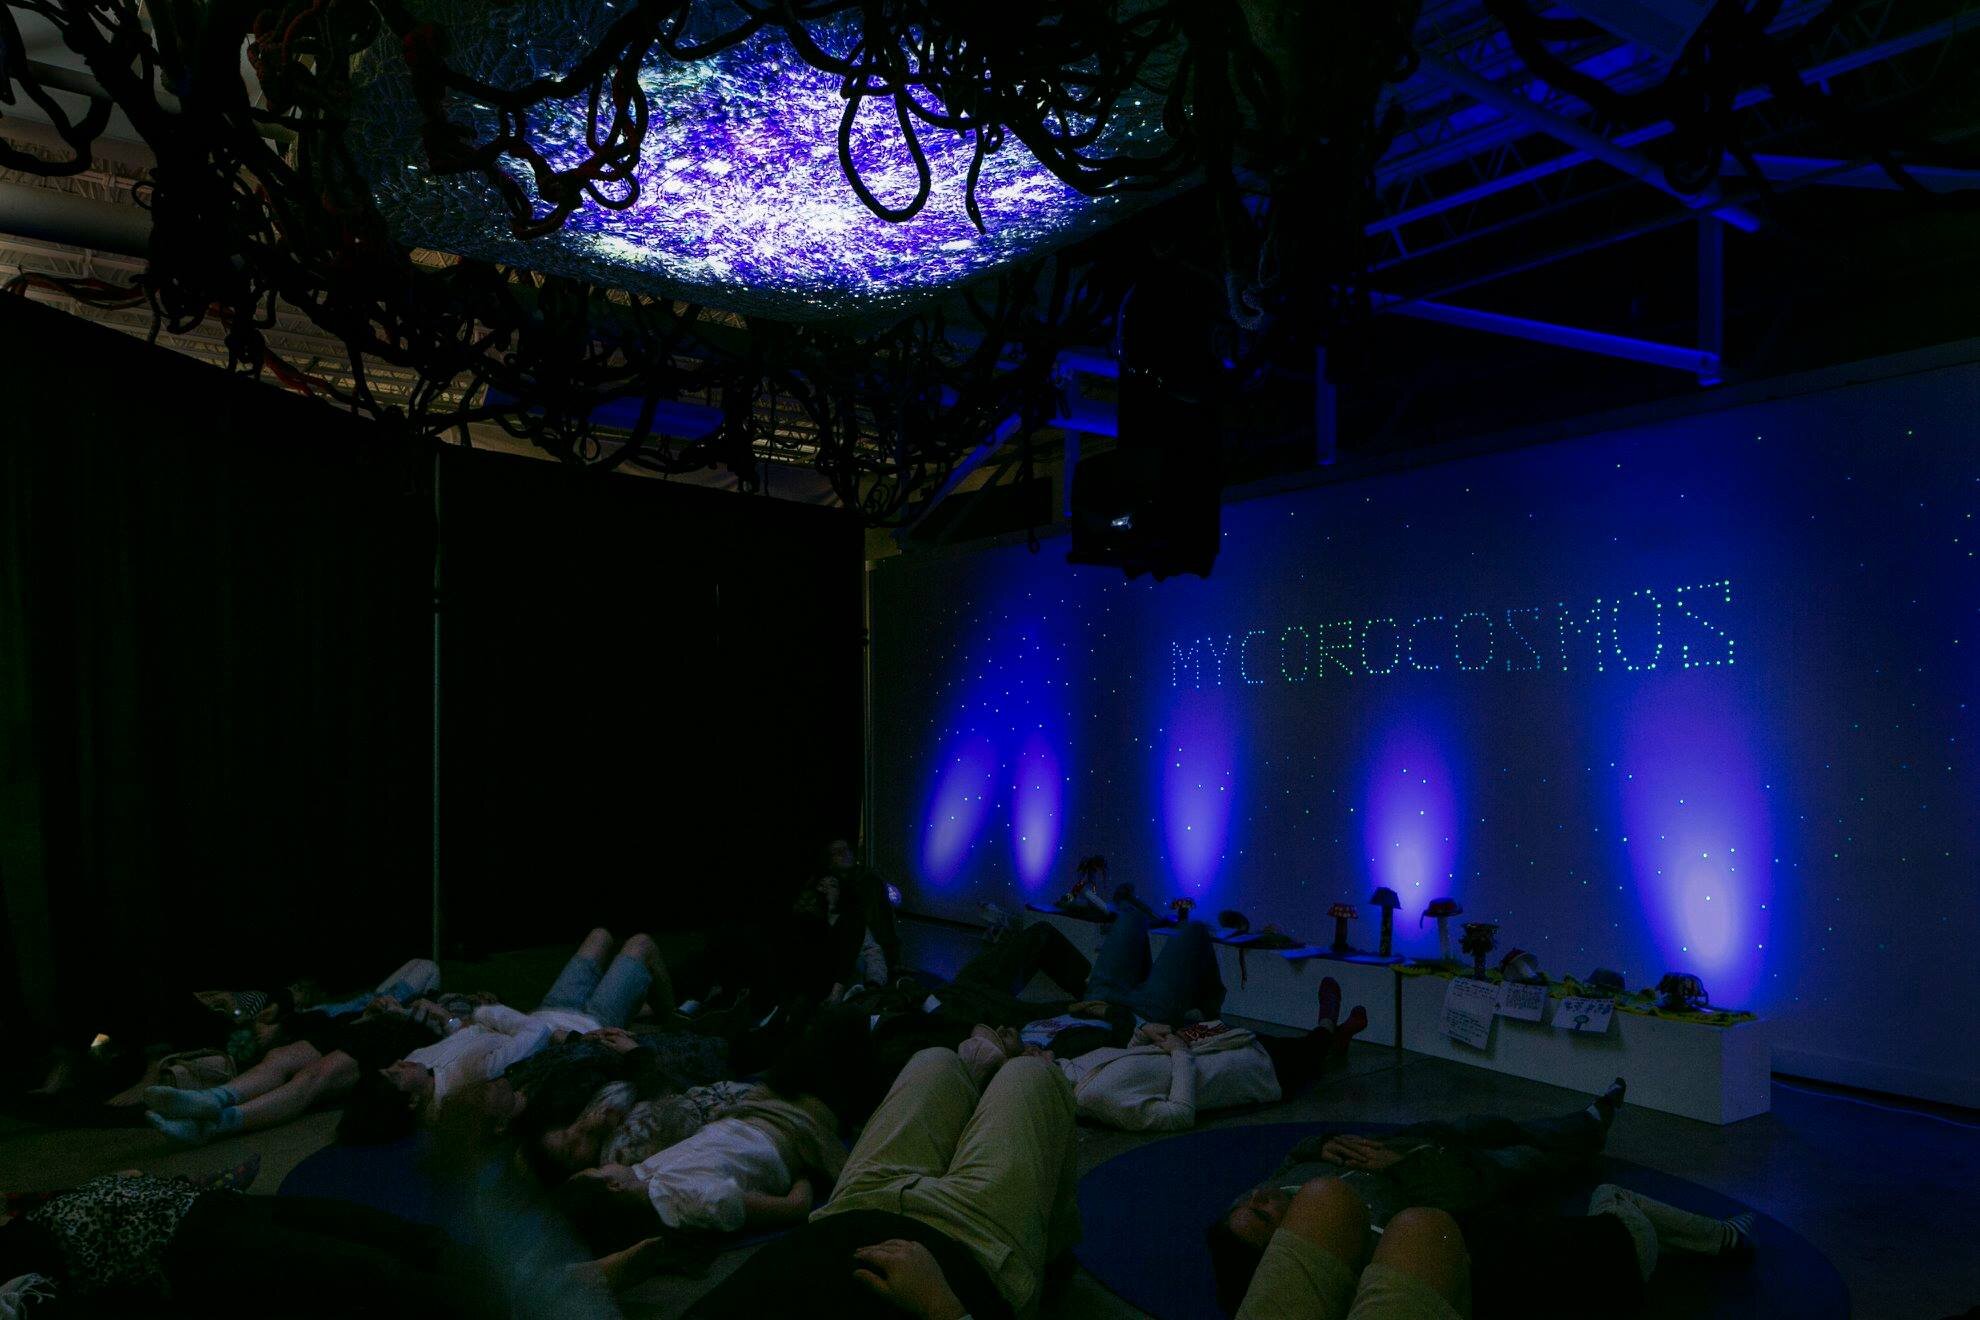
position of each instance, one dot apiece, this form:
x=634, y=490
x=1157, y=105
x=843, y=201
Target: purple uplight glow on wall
x=1199, y=757
x=742, y=200
x=1035, y=817
x=961, y=803
x=1410, y=827
x=1697, y=835
x=1003, y=742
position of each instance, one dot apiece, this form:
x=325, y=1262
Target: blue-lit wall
x=1691, y=696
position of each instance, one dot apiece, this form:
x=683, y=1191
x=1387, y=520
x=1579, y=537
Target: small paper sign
x=1585, y=1014
x=1528, y=1003
x=1468, y=1009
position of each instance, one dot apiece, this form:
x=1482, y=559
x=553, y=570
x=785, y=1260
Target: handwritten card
x=1585, y=1014
x=1527, y=1003
x=1469, y=1006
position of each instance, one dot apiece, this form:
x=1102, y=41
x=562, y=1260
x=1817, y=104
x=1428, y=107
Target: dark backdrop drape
x=214, y=681
x=216, y=684
x=651, y=709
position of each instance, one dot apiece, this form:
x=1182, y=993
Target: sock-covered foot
x=187, y=1131
x=204, y=1106
x=1737, y=1245
x=1351, y=1026
x=1604, y=1109
x=1330, y=1001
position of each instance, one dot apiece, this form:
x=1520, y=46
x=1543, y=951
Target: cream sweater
x=1143, y=1089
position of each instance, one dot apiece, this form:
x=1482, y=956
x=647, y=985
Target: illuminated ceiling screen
x=742, y=200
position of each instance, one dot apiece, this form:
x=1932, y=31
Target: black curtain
x=215, y=682
x=650, y=710
x=216, y=686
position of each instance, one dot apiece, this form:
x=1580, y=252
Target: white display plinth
x=1716, y=1074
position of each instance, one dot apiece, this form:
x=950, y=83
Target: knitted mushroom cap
x=1385, y=897
x=1442, y=907
x=1340, y=910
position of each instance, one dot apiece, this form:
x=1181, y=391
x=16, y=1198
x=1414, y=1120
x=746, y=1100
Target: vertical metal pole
x=1325, y=415
x=1711, y=293
x=866, y=711
x=1068, y=460
x=439, y=540
x=1396, y=976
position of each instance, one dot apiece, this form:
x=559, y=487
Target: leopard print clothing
x=113, y=1231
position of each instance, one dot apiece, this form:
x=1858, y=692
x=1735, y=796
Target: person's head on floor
x=386, y=1105
x=559, y=1150
x=650, y=1127
x=607, y=1207
x=1237, y=1240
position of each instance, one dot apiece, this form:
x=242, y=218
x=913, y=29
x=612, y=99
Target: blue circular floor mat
x=1145, y=1211
x=386, y=1177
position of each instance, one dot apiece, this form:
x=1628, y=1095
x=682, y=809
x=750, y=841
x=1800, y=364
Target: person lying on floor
x=630, y=1120
x=1160, y=1079
x=588, y=996
x=742, y=1157
x=1487, y=1172
x=1428, y=1263
x=1319, y=1263
x=128, y=1243
x=566, y=1081
x=1454, y=1166
x=203, y=1040
x=952, y=1203
x=1104, y=999
x=289, y=1080
x=388, y=1094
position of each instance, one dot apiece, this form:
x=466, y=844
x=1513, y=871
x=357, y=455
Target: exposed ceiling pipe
x=54, y=216
x=118, y=151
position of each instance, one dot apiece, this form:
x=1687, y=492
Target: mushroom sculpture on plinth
x=1479, y=937
x=1386, y=899
x=1442, y=909
x=1181, y=907
x=1342, y=913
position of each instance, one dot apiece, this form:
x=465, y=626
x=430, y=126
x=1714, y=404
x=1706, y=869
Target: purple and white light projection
x=1697, y=834
x=1003, y=745
x=1198, y=761
x=742, y=200
x=964, y=787
x=1411, y=818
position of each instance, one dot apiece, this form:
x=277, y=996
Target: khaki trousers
x=995, y=1172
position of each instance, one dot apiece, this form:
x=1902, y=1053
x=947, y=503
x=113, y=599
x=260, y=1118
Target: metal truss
x=1459, y=167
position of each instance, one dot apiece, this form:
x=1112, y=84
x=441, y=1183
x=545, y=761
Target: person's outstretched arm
x=908, y=1275
x=763, y=1210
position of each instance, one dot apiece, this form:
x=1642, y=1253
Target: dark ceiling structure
x=914, y=247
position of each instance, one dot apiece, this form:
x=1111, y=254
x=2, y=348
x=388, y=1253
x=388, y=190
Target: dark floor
x=1890, y=1194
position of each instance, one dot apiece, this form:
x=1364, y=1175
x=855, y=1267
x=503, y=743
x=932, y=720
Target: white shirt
x=699, y=1182
x=496, y=1037
x=1143, y=1089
